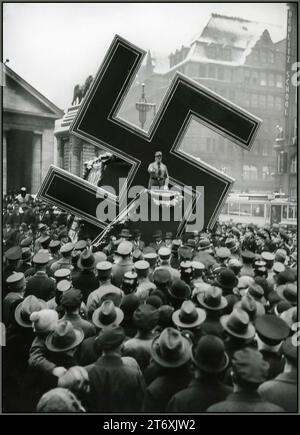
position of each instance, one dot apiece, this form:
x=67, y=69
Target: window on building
x=202, y=70
x=234, y=208
x=293, y=193
x=262, y=101
x=263, y=79
x=271, y=56
x=264, y=55
x=278, y=103
x=254, y=100
x=270, y=101
x=258, y=210
x=226, y=53
x=220, y=73
x=249, y=172
x=245, y=209
x=228, y=75
x=294, y=164
x=212, y=71
x=271, y=79
x=247, y=76
x=279, y=80
x=254, y=78
x=212, y=51
x=284, y=212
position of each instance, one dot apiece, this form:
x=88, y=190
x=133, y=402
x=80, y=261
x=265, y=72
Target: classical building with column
x=28, y=126
x=72, y=152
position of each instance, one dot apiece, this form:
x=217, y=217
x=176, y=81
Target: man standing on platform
x=158, y=171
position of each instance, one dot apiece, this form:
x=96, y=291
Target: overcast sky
x=54, y=46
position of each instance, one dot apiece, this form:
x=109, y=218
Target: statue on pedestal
x=81, y=90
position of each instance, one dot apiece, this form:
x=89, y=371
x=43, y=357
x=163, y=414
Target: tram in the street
x=260, y=209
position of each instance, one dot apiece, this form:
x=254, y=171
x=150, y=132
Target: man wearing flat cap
x=249, y=371
x=114, y=385
x=158, y=172
x=283, y=389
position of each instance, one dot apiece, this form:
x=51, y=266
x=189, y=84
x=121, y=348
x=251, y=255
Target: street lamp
x=143, y=107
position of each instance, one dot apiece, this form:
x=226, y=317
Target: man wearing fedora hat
x=282, y=390
x=19, y=336
x=228, y=282
x=206, y=388
x=25, y=260
x=70, y=302
x=249, y=371
x=239, y=331
x=107, y=315
x=171, y=353
x=178, y=292
x=114, y=385
x=40, y=285
x=85, y=279
x=213, y=302
x=145, y=319
x=106, y=289
x=189, y=318
x=56, y=353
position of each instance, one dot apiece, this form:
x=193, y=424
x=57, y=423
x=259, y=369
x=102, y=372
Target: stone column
x=75, y=155
x=4, y=161
x=36, y=178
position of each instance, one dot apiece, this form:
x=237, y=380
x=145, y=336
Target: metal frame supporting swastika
x=97, y=123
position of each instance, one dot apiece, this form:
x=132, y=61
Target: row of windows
x=250, y=172
x=264, y=55
x=263, y=101
x=260, y=147
x=215, y=51
x=262, y=78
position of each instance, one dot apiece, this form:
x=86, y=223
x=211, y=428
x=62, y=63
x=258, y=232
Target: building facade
x=27, y=142
x=244, y=62
x=286, y=144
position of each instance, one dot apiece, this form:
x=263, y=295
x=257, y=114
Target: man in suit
x=283, y=389
x=158, y=172
x=250, y=370
x=85, y=279
x=206, y=388
x=114, y=386
x=137, y=242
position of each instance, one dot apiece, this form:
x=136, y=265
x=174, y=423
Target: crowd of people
x=204, y=323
